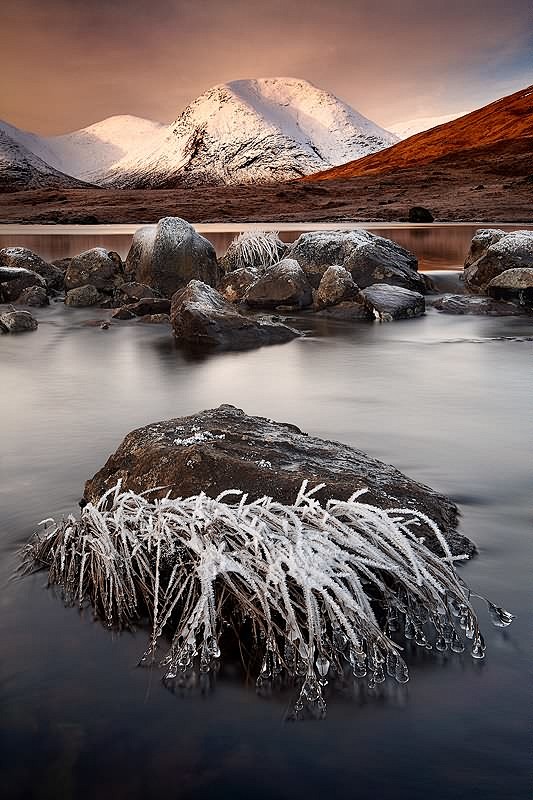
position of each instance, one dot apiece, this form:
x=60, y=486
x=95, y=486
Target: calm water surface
x=447, y=400
x=438, y=246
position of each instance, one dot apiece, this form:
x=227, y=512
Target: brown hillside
x=506, y=119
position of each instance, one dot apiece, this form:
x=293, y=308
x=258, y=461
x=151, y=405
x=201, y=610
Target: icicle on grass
x=259, y=249
x=321, y=590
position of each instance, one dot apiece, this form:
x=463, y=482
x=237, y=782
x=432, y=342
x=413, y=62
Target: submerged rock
x=393, y=302
x=83, y=296
x=336, y=286
x=507, y=251
x=283, y=284
x=17, y=322
x=513, y=284
x=97, y=267
x=26, y=259
x=168, y=255
x=201, y=316
x=368, y=258
x=477, y=304
x=223, y=448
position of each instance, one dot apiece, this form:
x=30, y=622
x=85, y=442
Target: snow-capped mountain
x=406, y=129
x=21, y=169
x=262, y=130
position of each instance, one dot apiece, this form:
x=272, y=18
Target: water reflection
x=436, y=246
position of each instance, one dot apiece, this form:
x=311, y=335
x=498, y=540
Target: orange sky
x=67, y=63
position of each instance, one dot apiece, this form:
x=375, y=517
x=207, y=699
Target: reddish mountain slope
x=507, y=119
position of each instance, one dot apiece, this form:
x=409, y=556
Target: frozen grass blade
x=318, y=589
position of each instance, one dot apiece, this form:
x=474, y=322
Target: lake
x=445, y=399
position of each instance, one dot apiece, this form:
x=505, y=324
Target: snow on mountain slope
x=405, y=129
x=21, y=169
x=263, y=130
x=89, y=152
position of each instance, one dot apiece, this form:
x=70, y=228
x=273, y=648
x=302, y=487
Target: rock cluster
x=497, y=275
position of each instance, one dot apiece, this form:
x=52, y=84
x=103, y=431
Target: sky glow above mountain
x=67, y=63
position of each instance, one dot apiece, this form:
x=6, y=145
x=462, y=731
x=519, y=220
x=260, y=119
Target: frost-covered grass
x=319, y=590
x=255, y=249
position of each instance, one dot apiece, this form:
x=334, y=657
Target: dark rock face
x=34, y=296
x=200, y=316
x=150, y=305
x=27, y=259
x=336, y=286
x=123, y=313
x=284, y=284
x=369, y=259
x=83, y=296
x=420, y=214
x=393, y=302
x=155, y=319
x=508, y=251
x=348, y=311
x=235, y=284
x=13, y=281
x=513, y=284
x=223, y=448
x=97, y=267
x=168, y=255
x=17, y=322
x=476, y=304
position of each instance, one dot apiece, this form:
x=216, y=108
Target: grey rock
x=168, y=255
x=97, y=267
x=510, y=251
x=201, y=316
x=224, y=448
x=481, y=241
x=283, y=284
x=336, y=286
x=513, y=284
x=478, y=305
x=348, y=311
x=13, y=281
x=390, y=303
x=235, y=284
x=17, y=322
x=33, y=296
x=368, y=258
x=83, y=296
x=27, y=259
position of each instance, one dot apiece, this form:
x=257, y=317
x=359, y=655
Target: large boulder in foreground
x=201, y=316
x=283, y=284
x=22, y=258
x=224, y=448
x=506, y=251
x=368, y=258
x=168, y=255
x=393, y=302
x=481, y=241
x=96, y=267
